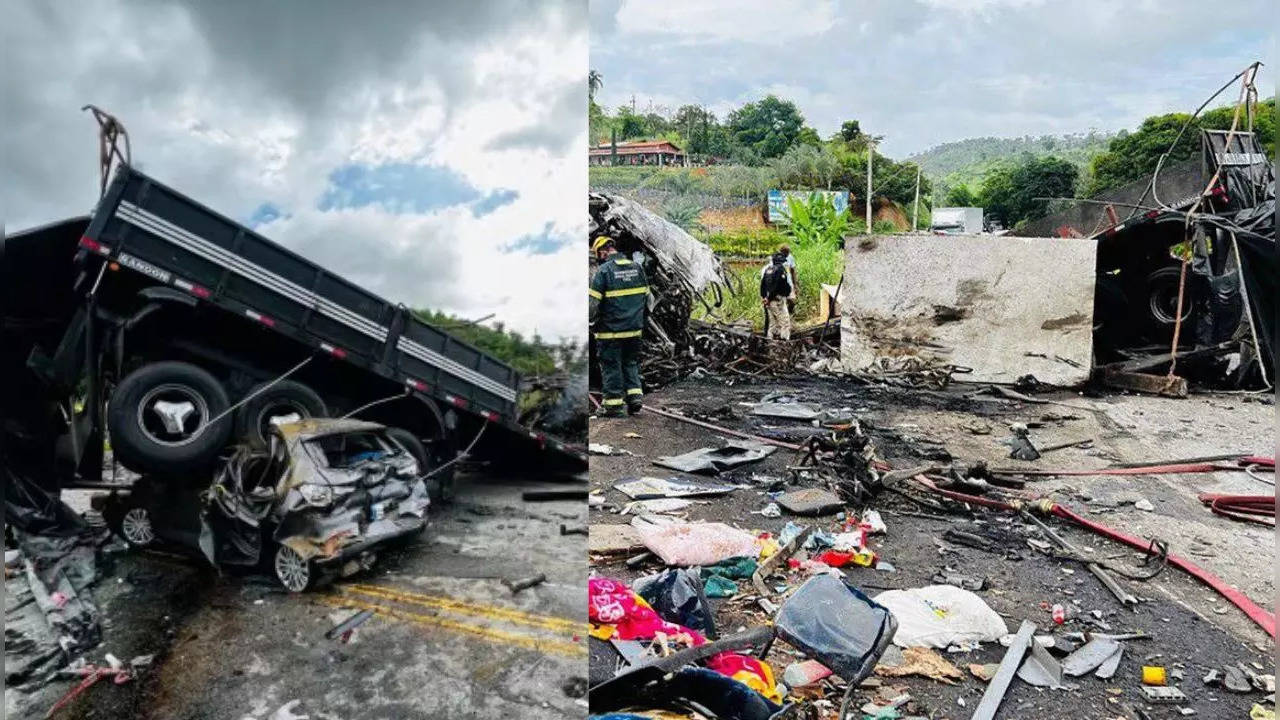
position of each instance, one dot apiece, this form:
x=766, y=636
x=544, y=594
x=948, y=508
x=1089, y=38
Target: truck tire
x=1162, y=296
x=440, y=485
x=285, y=398
x=159, y=418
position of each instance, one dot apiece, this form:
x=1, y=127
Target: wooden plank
x=1169, y=386
x=610, y=539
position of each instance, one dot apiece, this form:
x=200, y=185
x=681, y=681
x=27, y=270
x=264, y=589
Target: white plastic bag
x=941, y=615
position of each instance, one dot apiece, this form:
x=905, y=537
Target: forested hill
x=966, y=161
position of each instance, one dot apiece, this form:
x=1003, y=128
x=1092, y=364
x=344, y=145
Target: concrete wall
x=1004, y=306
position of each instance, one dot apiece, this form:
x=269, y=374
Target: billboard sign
x=778, y=202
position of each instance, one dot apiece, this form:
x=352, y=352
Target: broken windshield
x=349, y=449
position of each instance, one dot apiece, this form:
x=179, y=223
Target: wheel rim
x=172, y=414
x=136, y=527
x=281, y=411
x=1164, y=303
x=292, y=570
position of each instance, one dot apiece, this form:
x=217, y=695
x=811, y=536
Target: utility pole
x=871, y=156
x=915, y=212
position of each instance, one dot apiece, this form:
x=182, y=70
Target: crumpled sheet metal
x=1040, y=668
x=788, y=410
x=646, y=488
x=629, y=223
x=312, y=531
x=714, y=460
x=1091, y=656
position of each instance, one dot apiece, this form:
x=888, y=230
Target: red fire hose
x=1264, y=619
x=1259, y=509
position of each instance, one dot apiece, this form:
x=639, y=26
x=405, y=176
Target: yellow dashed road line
x=511, y=615
x=375, y=599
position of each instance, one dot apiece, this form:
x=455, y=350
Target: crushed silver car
x=315, y=504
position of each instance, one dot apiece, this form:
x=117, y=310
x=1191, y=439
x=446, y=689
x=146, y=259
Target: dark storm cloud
x=268, y=111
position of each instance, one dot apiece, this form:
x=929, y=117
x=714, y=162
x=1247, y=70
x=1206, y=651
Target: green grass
x=761, y=242
x=816, y=264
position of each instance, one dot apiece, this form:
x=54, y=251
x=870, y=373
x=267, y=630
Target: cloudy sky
x=429, y=151
x=923, y=72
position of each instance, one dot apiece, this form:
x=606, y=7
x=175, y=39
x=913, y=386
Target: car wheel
x=161, y=418
x=135, y=527
x=286, y=401
x=292, y=570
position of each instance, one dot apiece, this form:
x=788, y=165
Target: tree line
x=1013, y=190
x=529, y=356
x=770, y=140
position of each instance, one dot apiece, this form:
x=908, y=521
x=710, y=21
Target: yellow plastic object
x=1153, y=675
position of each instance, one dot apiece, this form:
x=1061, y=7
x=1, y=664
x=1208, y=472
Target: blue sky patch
x=407, y=188
x=265, y=213
x=493, y=201
x=542, y=243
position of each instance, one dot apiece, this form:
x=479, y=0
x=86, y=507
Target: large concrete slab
x=1004, y=306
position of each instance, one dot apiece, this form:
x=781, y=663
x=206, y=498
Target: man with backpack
x=775, y=289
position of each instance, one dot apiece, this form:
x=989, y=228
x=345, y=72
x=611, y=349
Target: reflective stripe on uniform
x=617, y=335
x=628, y=291
x=622, y=261
x=613, y=401
x=594, y=293
x=634, y=391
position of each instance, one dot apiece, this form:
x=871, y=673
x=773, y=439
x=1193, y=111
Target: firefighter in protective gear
x=619, y=297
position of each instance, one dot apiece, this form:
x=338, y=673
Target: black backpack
x=775, y=281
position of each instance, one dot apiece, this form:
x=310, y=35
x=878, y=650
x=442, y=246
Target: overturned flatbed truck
x=179, y=331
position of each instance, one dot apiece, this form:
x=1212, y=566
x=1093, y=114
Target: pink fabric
x=611, y=602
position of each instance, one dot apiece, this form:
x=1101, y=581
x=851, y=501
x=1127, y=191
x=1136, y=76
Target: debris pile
x=682, y=273
x=828, y=607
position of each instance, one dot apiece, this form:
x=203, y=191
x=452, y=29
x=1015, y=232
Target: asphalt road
x=447, y=638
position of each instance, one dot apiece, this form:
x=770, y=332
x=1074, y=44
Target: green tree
x=598, y=123
x=767, y=128
x=850, y=131
x=961, y=196
x=815, y=221
x=1133, y=156
x=629, y=124
x=1010, y=191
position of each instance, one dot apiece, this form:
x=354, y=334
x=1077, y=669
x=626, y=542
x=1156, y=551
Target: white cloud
x=747, y=21
x=923, y=73
x=241, y=104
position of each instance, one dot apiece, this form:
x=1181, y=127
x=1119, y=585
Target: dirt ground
x=448, y=638
x=1191, y=628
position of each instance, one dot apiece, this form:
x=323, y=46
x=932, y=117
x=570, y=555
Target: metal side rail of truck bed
x=148, y=228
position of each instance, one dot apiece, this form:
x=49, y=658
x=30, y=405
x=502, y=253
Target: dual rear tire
x=168, y=417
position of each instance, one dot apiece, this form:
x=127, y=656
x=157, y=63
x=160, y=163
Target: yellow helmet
x=600, y=242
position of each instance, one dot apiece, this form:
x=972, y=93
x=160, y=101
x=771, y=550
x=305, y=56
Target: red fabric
x=611, y=602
